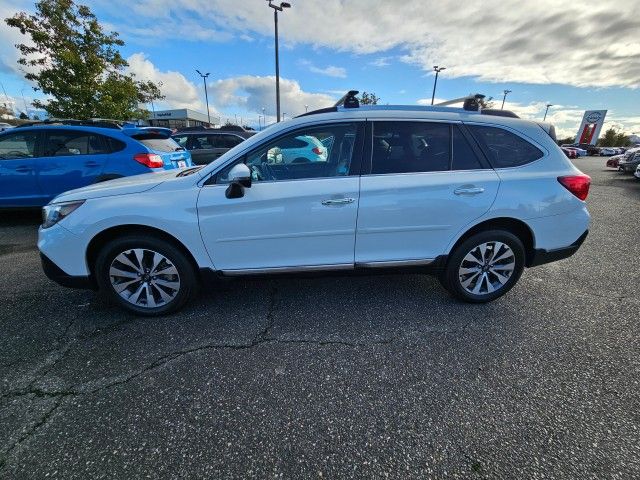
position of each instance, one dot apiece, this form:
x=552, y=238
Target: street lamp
x=306, y=108
x=504, y=98
x=437, y=69
x=26, y=109
x=276, y=9
x=547, y=110
x=206, y=96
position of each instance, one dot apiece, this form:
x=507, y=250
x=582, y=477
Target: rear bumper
x=55, y=273
x=541, y=256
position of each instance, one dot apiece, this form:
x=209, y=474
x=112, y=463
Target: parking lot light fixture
x=437, y=69
x=276, y=9
x=206, y=96
x=547, y=111
x=506, y=92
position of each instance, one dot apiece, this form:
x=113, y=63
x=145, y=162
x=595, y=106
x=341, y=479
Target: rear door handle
x=23, y=169
x=468, y=190
x=91, y=164
x=338, y=201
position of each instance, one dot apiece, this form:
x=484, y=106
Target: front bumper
x=55, y=273
x=541, y=256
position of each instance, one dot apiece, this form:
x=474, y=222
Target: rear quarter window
x=503, y=148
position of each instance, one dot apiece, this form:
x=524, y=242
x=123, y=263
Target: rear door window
x=205, y=142
x=503, y=148
x=406, y=147
x=64, y=143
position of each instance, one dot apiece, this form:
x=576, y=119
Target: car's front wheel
x=484, y=267
x=145, y=275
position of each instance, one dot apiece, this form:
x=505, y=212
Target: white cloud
x=381, y=62
x=495, y=40
x=253, y=93
x=329, y=71
x=179, y=92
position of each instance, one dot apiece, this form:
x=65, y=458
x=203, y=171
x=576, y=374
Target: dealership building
x=182, y=117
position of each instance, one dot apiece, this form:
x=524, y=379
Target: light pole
x=437, y=69
x=506, y=92
x=206, y=96
x=547, y=110
x=276, y=9
x=306, y=108
x=26, y=109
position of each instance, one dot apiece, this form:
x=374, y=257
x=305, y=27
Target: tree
x=72, y=59
x=486, y=102
x=368, y=98
x=23, y=116
x=6, y=111
x=562, y=141
x=613, y=138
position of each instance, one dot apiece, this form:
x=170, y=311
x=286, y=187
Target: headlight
x=52, y=214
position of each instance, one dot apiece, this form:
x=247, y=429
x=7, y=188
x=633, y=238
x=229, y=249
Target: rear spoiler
x=549, y=128
x=147, y=132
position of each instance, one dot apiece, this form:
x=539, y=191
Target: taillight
x=150, y=160
x=576, y=184
x=317, y=150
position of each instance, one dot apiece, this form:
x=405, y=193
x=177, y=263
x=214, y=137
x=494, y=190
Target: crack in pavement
x=4, y=457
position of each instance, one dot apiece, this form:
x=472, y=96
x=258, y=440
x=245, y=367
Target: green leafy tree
x=613, y=138
x=368, y=98
x=562, y=141
x=72, y=60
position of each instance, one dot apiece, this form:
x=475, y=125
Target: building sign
x=163, y=114
x=590, y=127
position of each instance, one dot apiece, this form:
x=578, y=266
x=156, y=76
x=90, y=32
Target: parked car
x=41, y=160
x=5, y=126
x=580, y=152
x=569, y=152
x=629, y=162
x=612, y=162
x=300, y=149
x=207, y=145
x=609, y=151
x=637, y=174
x=589, y=149
x=470, y=197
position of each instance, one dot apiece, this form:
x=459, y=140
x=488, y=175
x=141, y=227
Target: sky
x=574, y=55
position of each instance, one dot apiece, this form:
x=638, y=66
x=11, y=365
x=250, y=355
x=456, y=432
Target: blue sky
x=575, y=56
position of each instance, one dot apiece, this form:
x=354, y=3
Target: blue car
x=40, y=161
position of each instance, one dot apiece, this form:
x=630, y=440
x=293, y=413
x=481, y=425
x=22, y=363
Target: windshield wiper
x=189, y=171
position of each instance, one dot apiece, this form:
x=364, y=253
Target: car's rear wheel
x=145, y=275
x=484, y=267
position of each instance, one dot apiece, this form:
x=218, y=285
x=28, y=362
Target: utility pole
x=435, y=82
x=276, y=9
x=546, y=111
x=506, y=92
x=206, y=96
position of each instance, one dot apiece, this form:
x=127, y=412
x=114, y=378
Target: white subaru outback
x=471, y=197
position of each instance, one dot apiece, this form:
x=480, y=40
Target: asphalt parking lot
x=332, y=377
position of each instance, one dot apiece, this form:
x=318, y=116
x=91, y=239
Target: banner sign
x=590, y=127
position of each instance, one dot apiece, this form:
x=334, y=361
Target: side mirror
x=239, y=178
x=240, y=174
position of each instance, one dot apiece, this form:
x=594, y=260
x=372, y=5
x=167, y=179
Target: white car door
x=294, y=216
x=426, y=182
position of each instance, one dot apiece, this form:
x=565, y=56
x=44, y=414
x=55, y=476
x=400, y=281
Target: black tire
x=186, y=276
x=450, y=277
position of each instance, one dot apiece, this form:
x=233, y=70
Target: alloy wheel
x=144, y=277
x=486, y=268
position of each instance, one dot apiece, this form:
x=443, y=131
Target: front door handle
x=338, y=201
x=91, y=164
x=468, y=190
x=23, y=169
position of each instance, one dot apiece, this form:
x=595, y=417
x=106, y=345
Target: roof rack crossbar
x=470, y=102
